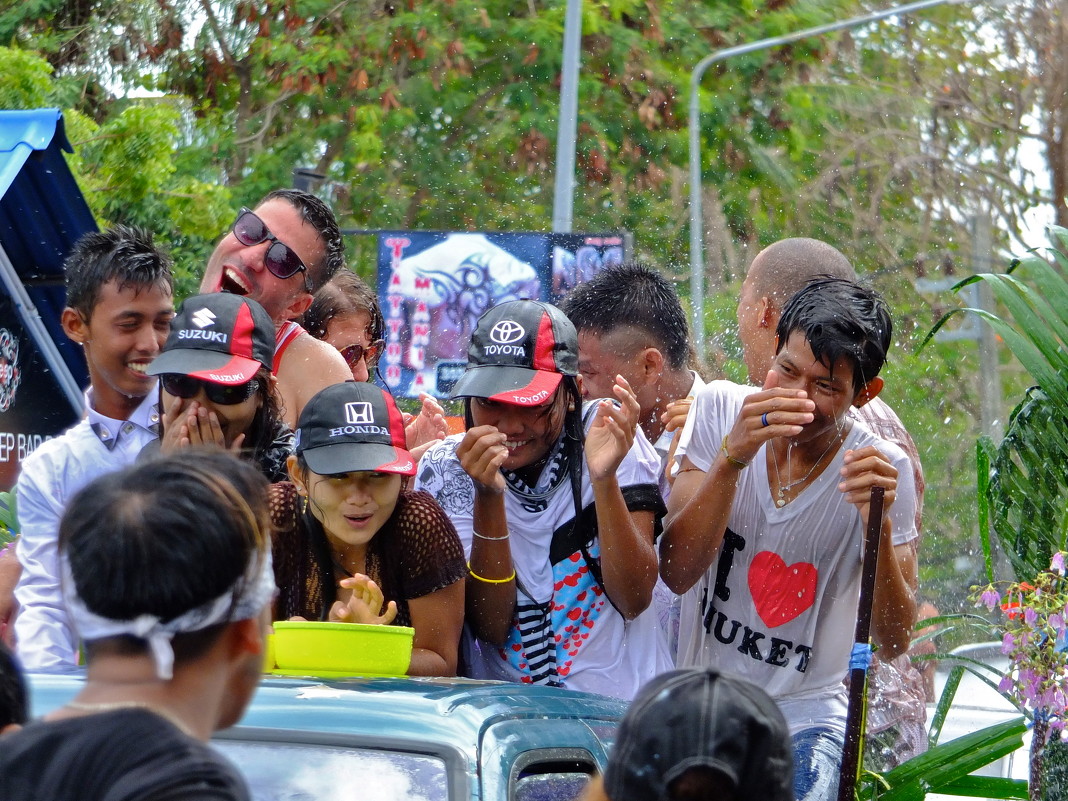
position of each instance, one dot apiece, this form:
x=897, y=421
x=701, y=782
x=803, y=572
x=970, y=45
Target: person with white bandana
x=166, y=571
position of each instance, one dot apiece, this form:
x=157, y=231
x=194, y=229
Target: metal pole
x=564, y=191
x=697, y=275
x=989, y=374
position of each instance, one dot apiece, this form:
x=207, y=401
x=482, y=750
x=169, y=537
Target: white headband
x=256, y=586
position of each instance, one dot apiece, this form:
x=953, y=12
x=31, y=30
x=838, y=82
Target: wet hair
x=163, y=537
x=632, y=295
x=840, y=318
x=14, y=697
x=315, y=211
x=124, y=254
x=345, y=293
x=783, y=268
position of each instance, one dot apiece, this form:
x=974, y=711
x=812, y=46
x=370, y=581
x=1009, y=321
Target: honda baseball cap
x=217, y=337
x=351, y=427
x=519, y=352
x=701, y=718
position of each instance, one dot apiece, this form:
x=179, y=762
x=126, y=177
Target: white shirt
x=50, y=477
x=596, y=649
x=778, y=605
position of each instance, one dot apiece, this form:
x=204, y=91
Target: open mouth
x=138, y=367
x=234, y=283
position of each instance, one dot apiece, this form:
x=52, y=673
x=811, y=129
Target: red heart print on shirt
x=781, y=592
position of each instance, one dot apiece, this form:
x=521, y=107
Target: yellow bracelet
x=730, y=459
x=475, y=575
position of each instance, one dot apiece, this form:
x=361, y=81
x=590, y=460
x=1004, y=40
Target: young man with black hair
x=630, y=323
x=167, y=575
x=119, y=309
x=767, y=515
x=279, y=254
x=897, y=709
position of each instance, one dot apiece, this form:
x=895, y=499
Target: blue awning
x=42, y=214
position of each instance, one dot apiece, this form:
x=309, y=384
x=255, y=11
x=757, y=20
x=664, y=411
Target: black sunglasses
x=280, y=259
x=185, y=386
x=353, y=353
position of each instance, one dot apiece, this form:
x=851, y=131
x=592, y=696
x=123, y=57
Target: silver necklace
x=780, y=500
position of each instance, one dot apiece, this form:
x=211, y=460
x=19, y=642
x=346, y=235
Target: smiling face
x=830, y=388
x=352, y=507
x=353, y=328
x=239, y=269
x=124, y=333
x=530, y=431
x=234, y=418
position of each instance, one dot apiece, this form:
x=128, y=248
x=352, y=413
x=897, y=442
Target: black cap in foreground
x=700, y=718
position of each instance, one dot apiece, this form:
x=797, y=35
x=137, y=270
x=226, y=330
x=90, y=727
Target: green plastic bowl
x=351, y=649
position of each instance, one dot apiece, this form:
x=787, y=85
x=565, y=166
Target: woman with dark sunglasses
x=345, y=313
x=216, y=386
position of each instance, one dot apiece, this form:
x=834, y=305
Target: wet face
x=530, y=431
x=830, y=388
x=757, y=335
x=239, y=269
x=602, y=358
x=352, y=507
x=124, y=333
x=234, y=419
x=345, y=330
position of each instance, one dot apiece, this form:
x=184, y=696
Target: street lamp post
x=697, y=275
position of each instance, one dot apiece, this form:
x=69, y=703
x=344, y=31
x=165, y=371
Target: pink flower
x=1005, y=685
x=1057, y=563
x=1030, y=616
x=990, y=599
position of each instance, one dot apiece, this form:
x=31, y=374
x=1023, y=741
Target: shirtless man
x=279, y=254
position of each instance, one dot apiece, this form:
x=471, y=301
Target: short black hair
x=322, y=219
x=123, y=253
x=635, y=295
x=165, y=536
x=840, y=318
x=14, y=698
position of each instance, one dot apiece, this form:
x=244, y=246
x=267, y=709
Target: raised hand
x=481, y=453
x=863, y=469
x=674, y=416
x=428, y=426
x=612, y=432
x=786, y=410
x=364, y=604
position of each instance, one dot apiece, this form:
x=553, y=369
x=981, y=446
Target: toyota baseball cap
x=217, y=337
x=701, y=718
x=351, y=427
x=519, y=352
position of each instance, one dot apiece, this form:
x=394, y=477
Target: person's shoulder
x=444, y=449
x=59, y=453
x=864, y=436
x=323, y=355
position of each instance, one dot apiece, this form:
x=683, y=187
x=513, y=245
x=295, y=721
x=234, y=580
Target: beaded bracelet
x=475, y=575
x=491, y=539
x=730, y=459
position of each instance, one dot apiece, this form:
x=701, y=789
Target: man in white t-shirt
x=767, y=515
x=630, y=323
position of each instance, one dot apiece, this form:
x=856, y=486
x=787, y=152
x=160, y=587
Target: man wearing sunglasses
x=279, y=254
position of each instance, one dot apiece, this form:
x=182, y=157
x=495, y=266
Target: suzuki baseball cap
x=700, y=718
x=519, y=352
x=350, y=427
x=217, y=337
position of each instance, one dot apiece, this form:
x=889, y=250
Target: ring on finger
x=764, y=420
